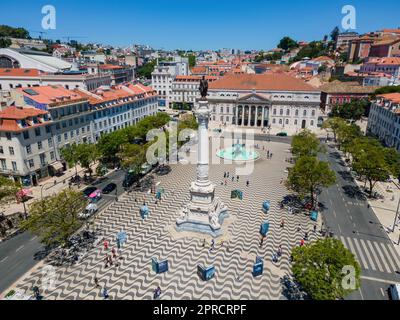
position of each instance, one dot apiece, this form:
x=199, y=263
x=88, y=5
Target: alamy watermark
x=349, y=21
x=49, y=21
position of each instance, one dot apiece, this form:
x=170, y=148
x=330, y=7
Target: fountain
x=238, y=152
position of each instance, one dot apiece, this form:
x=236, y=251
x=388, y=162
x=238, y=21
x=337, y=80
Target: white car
x=90, y=210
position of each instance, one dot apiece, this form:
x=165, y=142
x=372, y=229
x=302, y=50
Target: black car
x=163, y=170
x=89, y=190
x=108, y=188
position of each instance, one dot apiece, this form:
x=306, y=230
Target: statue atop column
x=203, y=88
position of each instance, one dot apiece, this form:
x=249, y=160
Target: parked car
x=146, y=168
x=282, y=134
x=90, y=210
x=163, y=170
x=109, y=188
x=88, y=191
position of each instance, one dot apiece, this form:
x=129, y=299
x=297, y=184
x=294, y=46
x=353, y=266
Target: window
x=52, y=157
x=11, y=149
x=295, y=122
x=59, y=138
x=287, y=121
x=48, y=129
x=288, y=112
x=72, y=133
x=8, y=135
x=281, y=112
x=14, y=165
x=65, y=136
x=39, y=145
x=280, y=121
x=50, y=141
x=26, y=134
x=31, y=163
x=313, y=113
x=305, y=113
x=297, y=113
x=64, y=124
x=3, y=164
x=1, y=150
x=37, y=132
x=274, y=113
x=273, y=121
x=28, y=149
x=311, y=122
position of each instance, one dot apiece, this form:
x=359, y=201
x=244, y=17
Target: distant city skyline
x=197, y=25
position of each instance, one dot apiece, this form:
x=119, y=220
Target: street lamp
x=396, y=216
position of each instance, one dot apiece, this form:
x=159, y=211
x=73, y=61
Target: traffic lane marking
x=19, y=248
x=4, y=259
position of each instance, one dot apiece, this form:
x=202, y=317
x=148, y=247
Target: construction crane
x=73, y=37
x=39, y=32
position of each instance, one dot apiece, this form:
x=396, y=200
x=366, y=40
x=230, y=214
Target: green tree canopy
x=309, y=175
x=346, y=134
x=334, y=124
x=287, y=44
x=146, y=69
x=319, y=268
x=335, y=33
x=54, y=219
x=8, y=189
x=352, y=111
x=305, y=143
x=369, y=162
x=7, y=31
x=86, y=155
x=69, y=154
x=133, y=156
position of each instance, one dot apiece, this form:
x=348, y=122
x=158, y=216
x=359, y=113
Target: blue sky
x=198, y=24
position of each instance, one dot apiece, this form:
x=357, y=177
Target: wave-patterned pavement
x=233, y=260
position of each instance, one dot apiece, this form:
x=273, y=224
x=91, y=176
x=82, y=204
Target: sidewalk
x=47, y=187
x=385, y=206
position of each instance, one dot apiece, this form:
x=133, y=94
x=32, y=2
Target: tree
x=54, y=219
x=305, y=143
x=320, y=269
x=335, y=34
x=5, y=43
x=69, y=154
x=312, y=50
x=309, y=175
x=334, y=124
x=145, y=70
x=346, y=134
x=287, y=44
x=86, y=154
x=8, y=189
x=392, y=158
x=369, y=162
x=133, y=156
x=7, y=31
x=352, y=111
x=109, y=146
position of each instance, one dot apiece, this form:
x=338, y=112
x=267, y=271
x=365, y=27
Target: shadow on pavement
x=354, y=192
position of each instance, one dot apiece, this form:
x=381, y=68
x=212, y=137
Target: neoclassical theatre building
x=275, y=100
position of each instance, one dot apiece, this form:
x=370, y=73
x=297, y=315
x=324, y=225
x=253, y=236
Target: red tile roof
x=50, y=94
x=10, y=115
x=394, y=97
x=267, y=81
x=19, y=72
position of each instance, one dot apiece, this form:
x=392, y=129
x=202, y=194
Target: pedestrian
x=227, y=175
x=233, y=178
x=237, y=179
x=270, y=155
x=106, y=260
x=105, y=245
x=261, y=241
x=301, y=242
x=315, y=228
x=280, y=251
x=212, y=245
x=226, y=183
x=306, y=236
x=114, y=253
x=110, y=260
x=299, y=228
x=105, y=293
x=282, y=223
x=267, y=153
x=204, y=243
x=96, y=282
x=224, y=175
x=247, y=183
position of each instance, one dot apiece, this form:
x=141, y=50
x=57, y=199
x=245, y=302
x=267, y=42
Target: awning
x=57, y=165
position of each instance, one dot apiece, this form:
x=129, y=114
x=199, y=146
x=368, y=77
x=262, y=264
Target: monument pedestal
x=204, y=213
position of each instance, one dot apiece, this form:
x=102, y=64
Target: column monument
x=205, y=212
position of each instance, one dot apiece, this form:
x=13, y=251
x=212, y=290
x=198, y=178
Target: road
x=22, y=252
x=347, y=214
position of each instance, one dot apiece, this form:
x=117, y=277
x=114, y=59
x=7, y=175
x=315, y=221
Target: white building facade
x=384, y=119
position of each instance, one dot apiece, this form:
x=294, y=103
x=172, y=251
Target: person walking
x=299, y=228
x=233, y=178
x=282, y=223
x=204, y=243
x=247, y=183
x=212, y=245
x=105, y=245
x=105, y=293
x=261, y=241
x=114, y=253
x=279, y=252
x=106, y=261
x=224, y=175
x=237, y=178
x=315, y=228
x=96, y=282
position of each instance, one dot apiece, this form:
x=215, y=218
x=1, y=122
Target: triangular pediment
x=254, y=97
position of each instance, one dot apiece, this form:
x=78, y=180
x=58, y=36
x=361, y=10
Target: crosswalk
x=373, y=255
